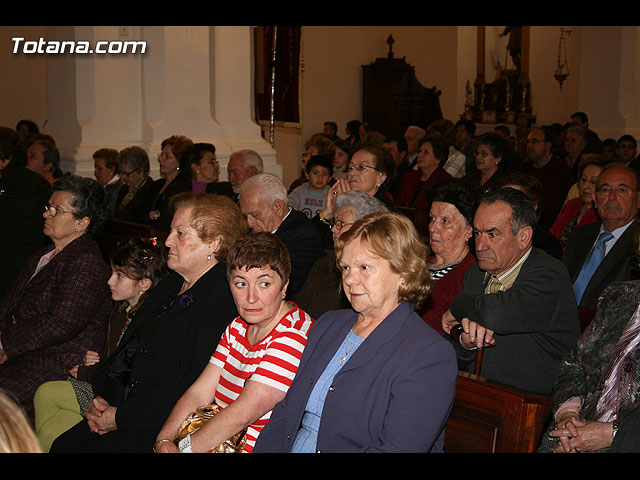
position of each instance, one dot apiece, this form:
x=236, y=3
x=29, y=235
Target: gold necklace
x=348, y=350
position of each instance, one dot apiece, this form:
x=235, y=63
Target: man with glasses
x=599, y=254
x=554, y=174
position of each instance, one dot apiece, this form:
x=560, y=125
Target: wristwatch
x=614, y=428
x=185, y=445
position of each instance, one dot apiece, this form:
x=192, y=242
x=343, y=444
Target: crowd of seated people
x=363, y=286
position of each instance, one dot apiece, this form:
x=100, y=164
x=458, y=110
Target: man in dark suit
x=617, y=202
x=413, y=135
x=397, y=147
x=517, y=299
x=553, y=172
x=263, y=200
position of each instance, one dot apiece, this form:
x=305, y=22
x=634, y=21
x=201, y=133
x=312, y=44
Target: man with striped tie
x=517, y=299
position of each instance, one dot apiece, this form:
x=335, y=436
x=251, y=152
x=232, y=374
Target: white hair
x=269, y=187
x=249, y=158
x=419, y=130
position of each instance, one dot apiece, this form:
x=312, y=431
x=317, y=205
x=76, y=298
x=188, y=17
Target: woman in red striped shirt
x=257, y=356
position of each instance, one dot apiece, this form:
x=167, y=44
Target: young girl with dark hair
x=137, y=265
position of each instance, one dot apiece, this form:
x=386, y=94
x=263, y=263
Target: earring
x=208, y=257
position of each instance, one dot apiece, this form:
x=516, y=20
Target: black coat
x=615, y=267
x=137, y=210
x=163, y=351
x=304, y=243
x=23, y=195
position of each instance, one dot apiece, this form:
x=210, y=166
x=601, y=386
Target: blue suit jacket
x=393, y=395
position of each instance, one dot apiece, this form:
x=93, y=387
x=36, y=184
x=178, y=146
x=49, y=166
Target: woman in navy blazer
x=375, y=378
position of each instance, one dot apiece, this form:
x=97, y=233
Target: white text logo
x=113, y=47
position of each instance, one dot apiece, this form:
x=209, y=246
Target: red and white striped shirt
x=273, y=361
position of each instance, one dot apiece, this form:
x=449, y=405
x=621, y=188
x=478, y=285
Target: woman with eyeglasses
x=489, y=150
x=370, y=170
x=162, y=191
x=321, y=291
x=133, y=168
x=199, y=173
x=169, y=342
x=60, y=304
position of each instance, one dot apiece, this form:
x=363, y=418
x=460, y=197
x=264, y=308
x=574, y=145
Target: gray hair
x=523, y=213
x=249, y=158
x=270, y=188
x=581, y=132
x=360, y=203
x=134, y=157
x=419, y=130
x=51, y=154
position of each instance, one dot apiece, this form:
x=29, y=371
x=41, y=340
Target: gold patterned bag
x=197, y=419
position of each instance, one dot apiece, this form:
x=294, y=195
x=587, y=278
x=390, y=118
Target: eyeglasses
x=621, y=190
x=339, y=224
x=484, y=154
x=359, y=167
x=127, y=174
x=164, y=156
x=534, y=141
x=53, y=211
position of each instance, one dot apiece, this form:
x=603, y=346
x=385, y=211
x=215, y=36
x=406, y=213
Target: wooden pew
x=419, y=217
x=490, y=417
x=117, y=230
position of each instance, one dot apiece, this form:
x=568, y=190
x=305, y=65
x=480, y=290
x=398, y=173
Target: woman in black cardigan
x=171, y=338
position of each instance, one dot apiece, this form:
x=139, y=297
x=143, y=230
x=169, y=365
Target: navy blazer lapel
x=327, y=345
x=582, y=247
x=382, y=334
x=619, y=250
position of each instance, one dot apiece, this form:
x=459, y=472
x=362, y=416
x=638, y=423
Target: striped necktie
x=608, y=401
x=494, y=284
x=591, y=264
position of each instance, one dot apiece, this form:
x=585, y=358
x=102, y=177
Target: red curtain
x=287, y=75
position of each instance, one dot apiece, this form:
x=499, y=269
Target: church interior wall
x=443, y=56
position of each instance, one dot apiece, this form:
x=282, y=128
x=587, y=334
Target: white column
x=610, y=79
x=193, y=81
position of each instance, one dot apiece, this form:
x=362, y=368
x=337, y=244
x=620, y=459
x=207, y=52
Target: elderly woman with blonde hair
x=374, y=378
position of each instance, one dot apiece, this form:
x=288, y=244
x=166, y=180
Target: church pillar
x=610, y=79
x=192, y=81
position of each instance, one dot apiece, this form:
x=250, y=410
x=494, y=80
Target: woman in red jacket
x=453, y=206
